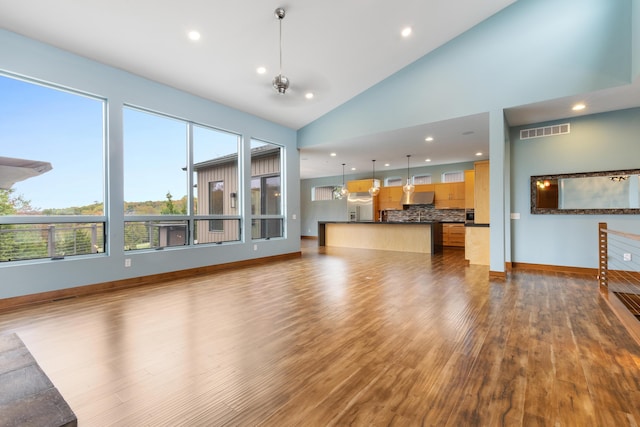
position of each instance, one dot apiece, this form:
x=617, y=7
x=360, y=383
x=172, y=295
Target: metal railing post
x=603, y=261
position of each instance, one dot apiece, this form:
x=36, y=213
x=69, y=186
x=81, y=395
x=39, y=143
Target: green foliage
x=14, y=205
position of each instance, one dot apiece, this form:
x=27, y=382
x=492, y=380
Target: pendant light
x=344, y=192
x=280, y=82
x=374, y=190
x=408, y=187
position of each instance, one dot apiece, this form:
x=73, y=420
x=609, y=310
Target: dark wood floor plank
x=341, y=337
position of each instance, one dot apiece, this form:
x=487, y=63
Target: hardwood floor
x=341, y=337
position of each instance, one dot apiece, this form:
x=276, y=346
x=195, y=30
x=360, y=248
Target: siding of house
x=228, y=173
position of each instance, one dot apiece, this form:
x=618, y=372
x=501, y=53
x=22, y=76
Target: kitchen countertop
x=379, y=222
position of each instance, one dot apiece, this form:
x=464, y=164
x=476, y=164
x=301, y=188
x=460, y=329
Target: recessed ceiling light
x=353, y=169
x=193, y=35
x=429, y=139
x=427, y=160
x=333, y=154
x=387, y=164
x=261, y=70
x=406, y=32
x=308, y=95
x=478, y=154
x=579, y=107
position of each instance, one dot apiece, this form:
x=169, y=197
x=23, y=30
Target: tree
x=13, y=205
x=10, y=247
x=173, y=209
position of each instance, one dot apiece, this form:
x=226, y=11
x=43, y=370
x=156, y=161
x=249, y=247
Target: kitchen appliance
x=360, y=207
x=469, y=216
x=418, y=198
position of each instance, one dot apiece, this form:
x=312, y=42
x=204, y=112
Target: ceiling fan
x=280, y=82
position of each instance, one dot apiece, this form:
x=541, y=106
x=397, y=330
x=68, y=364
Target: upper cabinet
x=389, y=198
x=449, y=195
x=481, y=193
x=361, y=185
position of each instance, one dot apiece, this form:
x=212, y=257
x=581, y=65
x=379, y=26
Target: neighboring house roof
x=13, y=170
x=257, y=152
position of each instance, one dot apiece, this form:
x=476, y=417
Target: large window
x=51, y=171
x=266, y=191
x=159, y=153
x=155, y=161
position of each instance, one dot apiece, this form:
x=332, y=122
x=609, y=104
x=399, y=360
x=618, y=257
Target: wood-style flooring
x=341, y=337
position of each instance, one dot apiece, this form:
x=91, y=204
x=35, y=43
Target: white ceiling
x=335, y=49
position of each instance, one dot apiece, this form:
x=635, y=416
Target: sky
x=67, y=130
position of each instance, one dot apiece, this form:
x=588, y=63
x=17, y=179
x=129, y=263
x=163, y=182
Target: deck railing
x=619, y=266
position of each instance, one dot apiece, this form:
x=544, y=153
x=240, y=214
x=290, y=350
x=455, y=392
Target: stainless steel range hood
x=421, y=198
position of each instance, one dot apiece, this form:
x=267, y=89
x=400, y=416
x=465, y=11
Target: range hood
x=421, y=198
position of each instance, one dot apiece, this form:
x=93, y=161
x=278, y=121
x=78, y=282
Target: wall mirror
x=597, y=193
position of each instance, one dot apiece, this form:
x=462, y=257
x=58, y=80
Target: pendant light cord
x=280, y=19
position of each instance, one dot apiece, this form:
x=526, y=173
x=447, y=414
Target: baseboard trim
x=554, y=268
x=50, y=296
x=309, y=237
x=497, y=275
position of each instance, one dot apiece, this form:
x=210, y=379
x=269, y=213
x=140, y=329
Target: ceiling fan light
x=281, y=83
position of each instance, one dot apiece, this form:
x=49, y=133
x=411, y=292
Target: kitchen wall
x=336, y=210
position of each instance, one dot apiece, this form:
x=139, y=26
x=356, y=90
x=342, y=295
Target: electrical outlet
x=255, y=247
x=626, y=257
x=127, y=262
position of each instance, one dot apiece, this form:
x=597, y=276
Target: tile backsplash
x=425, y=213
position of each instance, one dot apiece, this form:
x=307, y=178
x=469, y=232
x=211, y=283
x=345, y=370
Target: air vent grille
x=541, y=132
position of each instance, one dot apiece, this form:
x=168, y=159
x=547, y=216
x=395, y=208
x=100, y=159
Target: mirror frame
x=610, y=211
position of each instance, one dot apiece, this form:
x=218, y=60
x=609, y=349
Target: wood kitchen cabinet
x=481, y=192
x=389, y=198
x=361, y=185
x=469, y=189
x=449, y=195
x=453, y=234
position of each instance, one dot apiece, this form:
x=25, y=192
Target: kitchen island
x=422, y=237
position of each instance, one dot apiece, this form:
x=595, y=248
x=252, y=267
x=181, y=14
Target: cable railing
x=619, y=266
x=36, y=241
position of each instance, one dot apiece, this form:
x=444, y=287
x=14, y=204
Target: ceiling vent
x=545, y=131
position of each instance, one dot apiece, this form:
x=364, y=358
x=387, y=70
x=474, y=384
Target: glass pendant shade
x=344, y=192
x=408, y=187
x=374, y=190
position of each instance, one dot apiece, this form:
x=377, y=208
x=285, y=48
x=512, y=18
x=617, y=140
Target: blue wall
x=598, y=142
x=39, y=61
x=531, y=51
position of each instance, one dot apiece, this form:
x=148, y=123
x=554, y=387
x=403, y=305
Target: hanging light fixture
x=408, y=187
x=374, y=190
x=344, y=192
x=280, y=82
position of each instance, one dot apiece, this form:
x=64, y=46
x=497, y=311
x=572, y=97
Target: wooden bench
x=27, y=396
